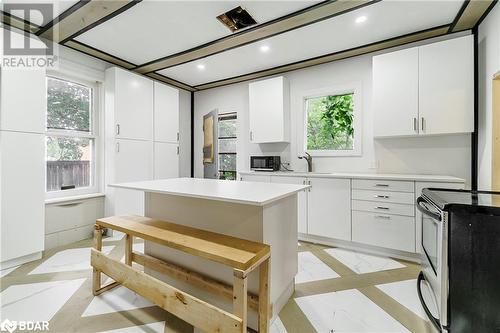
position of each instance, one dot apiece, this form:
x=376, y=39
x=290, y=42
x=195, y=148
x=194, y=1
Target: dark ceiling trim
x=19, y=23
x=304, y=17
x=64, y=14
x=96, y=53
x=353, y=52
x=470, y=14
x=170, y=81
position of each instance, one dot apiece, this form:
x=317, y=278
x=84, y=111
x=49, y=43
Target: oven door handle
x=433, y=319
x=422, y=207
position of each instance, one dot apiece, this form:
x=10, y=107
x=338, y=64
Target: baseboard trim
x=21, y=260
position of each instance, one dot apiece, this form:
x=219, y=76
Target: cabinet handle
x=177, y=136
x=71, y=204
x=117, y=129
x=415, y=125
x=423, y=124
x=309, y=183
x=381, y=196
x=251, y=136
x=382, y=185
x=384, y=217
x=380, y=207
x=177, y=150
x=117, y=147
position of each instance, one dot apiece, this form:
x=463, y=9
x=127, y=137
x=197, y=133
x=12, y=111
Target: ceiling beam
x=357, y=51
x=310, y=15
x=88, y=15
x=170, y=81
x=470, y=14
x=18, y=23
x=87, y=49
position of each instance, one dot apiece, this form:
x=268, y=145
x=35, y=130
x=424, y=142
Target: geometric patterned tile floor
x=336, y=291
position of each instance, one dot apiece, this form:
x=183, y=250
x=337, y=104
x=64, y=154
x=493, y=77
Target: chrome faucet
x=309, y=160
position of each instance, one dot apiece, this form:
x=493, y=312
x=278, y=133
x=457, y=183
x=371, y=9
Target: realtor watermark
x=22, y=48
x=11, y=326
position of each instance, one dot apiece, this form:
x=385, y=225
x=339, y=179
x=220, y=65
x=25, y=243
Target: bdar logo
x=8, y=325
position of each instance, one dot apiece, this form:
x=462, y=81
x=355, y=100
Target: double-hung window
x=227, y=129
x=71, y=136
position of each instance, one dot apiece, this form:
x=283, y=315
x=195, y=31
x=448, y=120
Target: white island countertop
x=250, y=193
x=355, y=175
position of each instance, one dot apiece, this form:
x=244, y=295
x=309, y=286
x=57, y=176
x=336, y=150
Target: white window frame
x=95, y=135
x=343, y=89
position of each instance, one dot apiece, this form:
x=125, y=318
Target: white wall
x=489, y=64
x=448, y=155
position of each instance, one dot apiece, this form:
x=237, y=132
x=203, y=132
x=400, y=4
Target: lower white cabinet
x=384, y=230
x=256, y=178
x=302, y=197
x=329, y=208
x=22, y=180
x=166, y=160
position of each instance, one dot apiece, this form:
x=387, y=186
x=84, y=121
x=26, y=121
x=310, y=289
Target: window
x=227, y=146
x=70, y=137
x=331, y=124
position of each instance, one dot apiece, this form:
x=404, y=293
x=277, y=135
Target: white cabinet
x=256, y=178
x=425, y=90
x=130, y=97
x=166, y=160
x=23, y=101
x=329, y=208
x=446, y=86
x=395, y=93
x=22, y=179
x=166, y=113
x=302, y=200
x=269, y=110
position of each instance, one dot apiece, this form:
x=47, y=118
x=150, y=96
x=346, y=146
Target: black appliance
x=461, y=259
x=265, y=163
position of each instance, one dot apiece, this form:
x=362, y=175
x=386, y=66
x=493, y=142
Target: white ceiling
x=36, y=18
x=385, y=19
x=155, y=29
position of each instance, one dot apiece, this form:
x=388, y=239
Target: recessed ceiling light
x=361, y=19
x=264, y=48
x=200, y=67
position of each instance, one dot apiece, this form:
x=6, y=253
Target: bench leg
x=264, y=297
x=240, y=297
x=129, y=240
x=96, y=274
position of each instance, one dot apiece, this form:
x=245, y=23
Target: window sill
x=73, y=198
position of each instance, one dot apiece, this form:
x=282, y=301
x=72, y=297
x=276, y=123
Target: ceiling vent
x=237, y=19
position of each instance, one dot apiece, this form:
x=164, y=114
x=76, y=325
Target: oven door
x=435, y=260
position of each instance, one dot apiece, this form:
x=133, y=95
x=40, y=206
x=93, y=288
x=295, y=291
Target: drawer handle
x=382, y=185
x=380, y=207
x=71, y=204
x=381, y=196
x=384, y=217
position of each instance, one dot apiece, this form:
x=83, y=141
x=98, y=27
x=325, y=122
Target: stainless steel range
x=461, y=245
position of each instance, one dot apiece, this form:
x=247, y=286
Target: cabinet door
x=446, y=86
x=23, y=194
x=395, y=93
x=133, y=106
x=266, y=109
x=302, y=196
x=329, y=208
x=23, y=101
x=166, y=113
x=256, y=178
x=166, y=160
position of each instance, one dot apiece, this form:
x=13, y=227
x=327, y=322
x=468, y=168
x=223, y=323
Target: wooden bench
x=241, y=255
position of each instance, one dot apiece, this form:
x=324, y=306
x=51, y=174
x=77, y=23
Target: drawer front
x=389, y=231
x=383, y=207
x=70, y=215
x=383, y=185
x=384, y=196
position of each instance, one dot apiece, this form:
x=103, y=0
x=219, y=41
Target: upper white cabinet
x=166, y=113
x=130, y=96
x=269, y=110
x=329, y=208
x=395, y=93
x=425, y=90
x=23, y=101
x=446, y=86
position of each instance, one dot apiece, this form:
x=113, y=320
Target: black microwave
x=265, y=163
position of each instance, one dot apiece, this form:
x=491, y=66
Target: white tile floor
x=114, y=300
x=29, y=302
x=158, y=327
x=347, y=311
x=363, y=263
x=277, y=326
x=312, y=269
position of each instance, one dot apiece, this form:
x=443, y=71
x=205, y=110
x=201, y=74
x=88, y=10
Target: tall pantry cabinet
x=22, y=166
x=140, y=117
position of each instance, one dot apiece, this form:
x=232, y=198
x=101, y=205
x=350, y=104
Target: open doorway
x=495, y=144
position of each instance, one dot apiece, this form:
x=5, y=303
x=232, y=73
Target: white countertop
x=250, y=193
x=387, y=176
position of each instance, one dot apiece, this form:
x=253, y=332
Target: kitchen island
x=255, y=211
